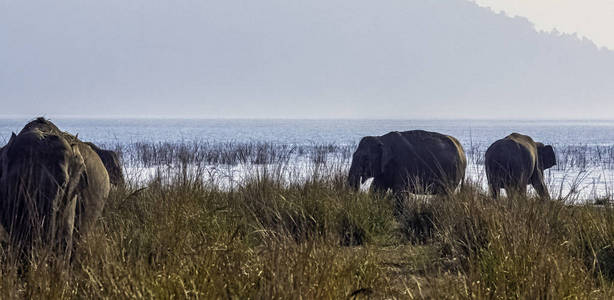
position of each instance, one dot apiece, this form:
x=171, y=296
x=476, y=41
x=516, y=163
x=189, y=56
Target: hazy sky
x=593, y=19
x=305, y=59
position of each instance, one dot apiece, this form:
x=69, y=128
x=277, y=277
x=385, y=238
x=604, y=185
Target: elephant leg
x=67, y=225
x=444, y=190
x=377, y=187
x=399, y=200
x=516, y=188
x=510, y=191
x=537, y=181
x=517, y=191
x=4, y=236
x=513, y=191
x=494, y=191
x=494, y=185
x=523, y=190
x=463, y=186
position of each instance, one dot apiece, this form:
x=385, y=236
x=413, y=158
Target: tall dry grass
x=180, y=234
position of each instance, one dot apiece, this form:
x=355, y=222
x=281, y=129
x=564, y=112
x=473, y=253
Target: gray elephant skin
x=514, y=162
x=416, y=161
x=110, y=159
x=53, y=188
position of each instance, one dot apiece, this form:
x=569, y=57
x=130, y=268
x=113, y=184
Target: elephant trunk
x=354, y=178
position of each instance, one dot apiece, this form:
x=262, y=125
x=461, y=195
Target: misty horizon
x=318, y=60
x=163, y=117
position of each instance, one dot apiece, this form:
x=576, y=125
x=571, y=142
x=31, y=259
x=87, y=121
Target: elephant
x=516, y=161
x=53, y=188
x=3, y=235
x=110, y=159
x=416, y=161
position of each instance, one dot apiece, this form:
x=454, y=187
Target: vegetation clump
x=297, y=230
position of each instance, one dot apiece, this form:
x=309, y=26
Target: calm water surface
x=572, y=176
x=480, y=132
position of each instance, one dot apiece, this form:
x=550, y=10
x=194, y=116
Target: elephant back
x=50, y=183
x=511, y=159
x=40, y=173
x=435, y=158
x=443, y=148
x=525, y=142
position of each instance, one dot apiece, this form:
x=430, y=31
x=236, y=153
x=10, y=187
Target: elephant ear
x=547, y=156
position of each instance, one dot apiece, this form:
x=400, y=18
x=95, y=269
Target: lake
x=585, y=149
x=482, y=132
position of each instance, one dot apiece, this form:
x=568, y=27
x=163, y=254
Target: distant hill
x=274, y=58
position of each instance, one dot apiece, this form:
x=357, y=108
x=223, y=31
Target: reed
x=259, y=220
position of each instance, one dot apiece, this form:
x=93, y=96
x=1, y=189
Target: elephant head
x=368, y=161
x=546, y=156
x=111, y=162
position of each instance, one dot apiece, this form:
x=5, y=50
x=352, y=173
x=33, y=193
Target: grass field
x=287, y=230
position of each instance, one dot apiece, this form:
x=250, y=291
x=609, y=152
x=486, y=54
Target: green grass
x=184, y=237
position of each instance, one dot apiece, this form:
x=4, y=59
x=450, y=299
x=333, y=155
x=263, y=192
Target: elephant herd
x=423, y=162
x=53, y=186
